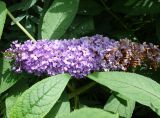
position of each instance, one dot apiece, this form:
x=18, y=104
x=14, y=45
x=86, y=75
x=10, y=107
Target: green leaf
x=3, y=13
x=28, y=4
x=90, y=112
x=62, y=107
x=44, y=10
x=81, y=26
x=7, y=77
x=2, y=105
x=24, y=5
x=19, y=18
x=121, y=105
x=131, y=2
x=89, y=7
x=16, y=6
x=136, y=87
x=30, y=26
x=139, y=7
x=14, y=93
x=58, y=18
x=38, y=100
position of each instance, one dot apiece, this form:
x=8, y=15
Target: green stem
x=76, y=102
x=20, y=26
x=76, y=98
x=81, y=90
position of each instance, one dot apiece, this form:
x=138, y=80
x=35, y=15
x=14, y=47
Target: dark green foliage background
x=137, y=20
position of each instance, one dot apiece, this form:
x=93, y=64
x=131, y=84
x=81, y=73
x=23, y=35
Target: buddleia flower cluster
x=79, y=57
x=134, y=54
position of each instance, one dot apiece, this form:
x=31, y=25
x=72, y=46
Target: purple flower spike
x=77, y=57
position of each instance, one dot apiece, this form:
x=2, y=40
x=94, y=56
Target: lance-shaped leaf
x=81, y=26
x=27, y=4
x=121, y=105
x=58, y=18
x=3, y=13
x=91, y=113
x=62, y=107
x=14, y=93
x=38, y=100
x=136, y=87
x=7, y=77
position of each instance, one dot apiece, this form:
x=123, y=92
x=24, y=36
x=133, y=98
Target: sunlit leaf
x=62, y=107
x=3, y=13
x=90, y=112
x=58, y=18
x=38, y=100
x=14, y=93
x=121, y=105
x=136, y=87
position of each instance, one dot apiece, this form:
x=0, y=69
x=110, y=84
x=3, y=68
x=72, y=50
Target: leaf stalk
x=20, y=26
